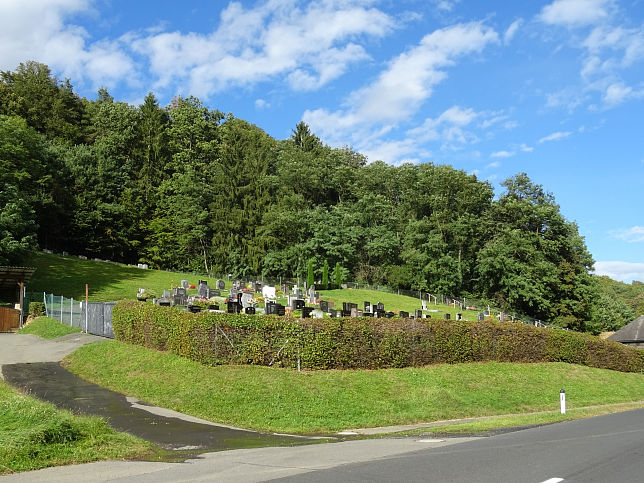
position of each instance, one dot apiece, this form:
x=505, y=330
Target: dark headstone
x=220, y=285
x=179, y=300
x=367, y=314
x=280, y=309
x=215, y=293
x=367, y=306
x=419, y=314
x=447, y=316
x=389, y=315
x=403, y=315
x=324, y=306
x=380, y=306
x=164, y=303
x=194, y=309
x=306, y=312
x=179, y=291
x=480, y=317
x=297, y=304
x=234, y=307
x=213, y=307
x=250, y=310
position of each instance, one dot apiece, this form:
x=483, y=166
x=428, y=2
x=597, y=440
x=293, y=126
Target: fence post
x=71, y=312
x=61, y=308
x=44, y=297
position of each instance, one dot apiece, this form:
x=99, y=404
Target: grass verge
x=48, y=328
x=283, y=400
x=34, y=434
x=523, y=420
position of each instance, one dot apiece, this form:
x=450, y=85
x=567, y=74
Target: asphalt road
x=602, y=449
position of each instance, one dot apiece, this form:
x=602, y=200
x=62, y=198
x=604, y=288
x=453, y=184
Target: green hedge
x=351, y=343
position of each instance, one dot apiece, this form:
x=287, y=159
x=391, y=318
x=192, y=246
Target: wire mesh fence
x=91, y=317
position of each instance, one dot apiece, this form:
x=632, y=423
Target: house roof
x=11, y=276
x=633, y=332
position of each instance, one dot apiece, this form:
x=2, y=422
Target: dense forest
x=188, y=187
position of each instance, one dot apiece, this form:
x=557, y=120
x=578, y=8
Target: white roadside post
x=562, y=401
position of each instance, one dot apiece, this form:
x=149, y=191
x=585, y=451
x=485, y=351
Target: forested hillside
x=188, y=187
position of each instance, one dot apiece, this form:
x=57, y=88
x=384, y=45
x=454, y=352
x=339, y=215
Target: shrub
x=37, y=309
x=351, y=343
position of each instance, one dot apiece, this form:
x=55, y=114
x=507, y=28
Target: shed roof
x=11, y=276
x=633, y=332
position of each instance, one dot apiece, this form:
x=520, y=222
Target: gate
x=9, y=319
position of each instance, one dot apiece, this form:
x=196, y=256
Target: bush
x=36, y=309
x=352, y=343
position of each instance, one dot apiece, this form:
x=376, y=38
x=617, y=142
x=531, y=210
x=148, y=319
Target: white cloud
x=525, y=148
x=511, y=31
x=555, y=136
x=502, y=154
x=400, y=90
x=617, y=93
x=623, y=271
x=37, y=30
x=307, y=45
x=261, y=104
x=494, y=164
x=575, y=12
x=635, y=234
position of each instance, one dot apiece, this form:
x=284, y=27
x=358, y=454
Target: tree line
x=191, y=188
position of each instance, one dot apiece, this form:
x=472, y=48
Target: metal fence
x=91, y=317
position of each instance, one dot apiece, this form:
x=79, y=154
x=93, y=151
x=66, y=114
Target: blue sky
x=554, y=88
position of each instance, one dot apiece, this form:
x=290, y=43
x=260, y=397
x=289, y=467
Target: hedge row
x=351, y=343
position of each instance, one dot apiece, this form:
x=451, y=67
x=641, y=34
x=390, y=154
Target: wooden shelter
x=632, y=334
x=13, y=281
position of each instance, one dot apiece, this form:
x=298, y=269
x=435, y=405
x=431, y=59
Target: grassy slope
x=108, y=281
x=48, y=328
x=34, y=434
x=392, y=302
x=287, y=401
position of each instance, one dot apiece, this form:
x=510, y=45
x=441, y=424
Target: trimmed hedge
x=352, y=343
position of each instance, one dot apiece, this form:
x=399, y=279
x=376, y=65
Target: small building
x=631, y=334
x=13, y=282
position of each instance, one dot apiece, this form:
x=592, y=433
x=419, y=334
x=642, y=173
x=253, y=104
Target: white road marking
x=553, y=480
x=431, y=440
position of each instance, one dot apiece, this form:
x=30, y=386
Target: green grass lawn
x=284, y=400
x=34, y=434
x=48, y=328
x=392, y=302
x=107, y=281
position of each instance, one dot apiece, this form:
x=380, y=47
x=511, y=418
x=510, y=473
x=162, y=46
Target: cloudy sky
x=554, y=88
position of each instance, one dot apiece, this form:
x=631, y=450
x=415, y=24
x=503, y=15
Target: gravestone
x=185, y=284
x=324, y=306
x=480, y=317
x=354, y=312
x=367, y=306
x=179, y=299
x=447, y=316
x=403, y=315
x=203, y=289
x=246, y=298
x=360, y=313
x=419, y=314
x=317, y=314
x=220, y=285
x=215, y=293
x=179, y=291
x=380, y=306
x=424, y=305
x=164, y=303
x=367, y=314
x=237, y=284
x=297, y=304
x=333, y=313
x=306, y=312
x=213, y=307
x=502, y=317
x=270, y=308
x=249, y=310
x=459, y=316
x=167, y=294
x=233, y=293
x=233, y=307
x=194, y=309
x=389, y=315
x=268, y=292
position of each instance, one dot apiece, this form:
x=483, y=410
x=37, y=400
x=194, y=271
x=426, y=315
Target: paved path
x=23, y=348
